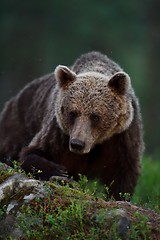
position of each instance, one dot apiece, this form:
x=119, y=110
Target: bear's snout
x=76, y=145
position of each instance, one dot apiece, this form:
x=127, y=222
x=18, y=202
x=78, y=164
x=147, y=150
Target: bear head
x=92, y=107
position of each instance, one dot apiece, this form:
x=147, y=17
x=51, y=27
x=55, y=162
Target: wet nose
x=77, y=144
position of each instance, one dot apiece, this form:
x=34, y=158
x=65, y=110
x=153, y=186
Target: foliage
x=147, y=192
x=75, y=215
x=148, y=189
x=70, y=221
x=76, y=211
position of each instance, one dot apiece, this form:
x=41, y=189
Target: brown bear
x=84, y=119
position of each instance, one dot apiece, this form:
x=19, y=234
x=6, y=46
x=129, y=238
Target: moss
x=5, y=172
x=72, y=211
x=4, y=176
x=68, y=213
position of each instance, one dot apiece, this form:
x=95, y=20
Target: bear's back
x=95, y=62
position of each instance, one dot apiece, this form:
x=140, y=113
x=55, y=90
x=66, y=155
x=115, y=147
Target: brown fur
x=80, y=120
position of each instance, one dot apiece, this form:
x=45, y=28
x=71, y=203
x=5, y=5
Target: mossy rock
x=32, y=209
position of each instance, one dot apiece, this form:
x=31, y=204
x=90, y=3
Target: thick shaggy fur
x=85, y=119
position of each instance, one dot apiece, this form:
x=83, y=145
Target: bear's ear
x=64, y=76
x=120, y=82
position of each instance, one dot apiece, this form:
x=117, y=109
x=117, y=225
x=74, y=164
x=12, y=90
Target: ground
x=32, y=209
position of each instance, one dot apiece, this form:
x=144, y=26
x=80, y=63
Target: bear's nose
x=77, y=144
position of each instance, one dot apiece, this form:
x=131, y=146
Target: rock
x=31, y=208
x=123, y=227
x=16, y=191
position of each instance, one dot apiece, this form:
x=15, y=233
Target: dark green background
x=38, y=35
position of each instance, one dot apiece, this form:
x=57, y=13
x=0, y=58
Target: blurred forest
x=38, y=35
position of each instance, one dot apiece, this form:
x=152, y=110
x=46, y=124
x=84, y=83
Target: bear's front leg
x=123, y=188
x=34, y=161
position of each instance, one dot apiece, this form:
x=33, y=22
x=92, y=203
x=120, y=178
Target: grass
x=77, y=212
x=147, y=192
x=71, y=214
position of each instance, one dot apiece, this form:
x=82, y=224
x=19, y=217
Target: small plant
x=65, y=222
x=2, y=210
x=141, y=229
x=93, y=187
x=125, y=196
x=83, y=181
x=17, y=167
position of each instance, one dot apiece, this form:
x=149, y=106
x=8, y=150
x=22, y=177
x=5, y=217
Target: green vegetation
x=147, y=192
x=148, y=189
x=77, y=211
x=141, y=228
x=73, y=216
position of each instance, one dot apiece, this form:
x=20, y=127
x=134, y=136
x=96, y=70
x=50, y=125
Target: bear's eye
x=72, y=116
x=95, y=118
